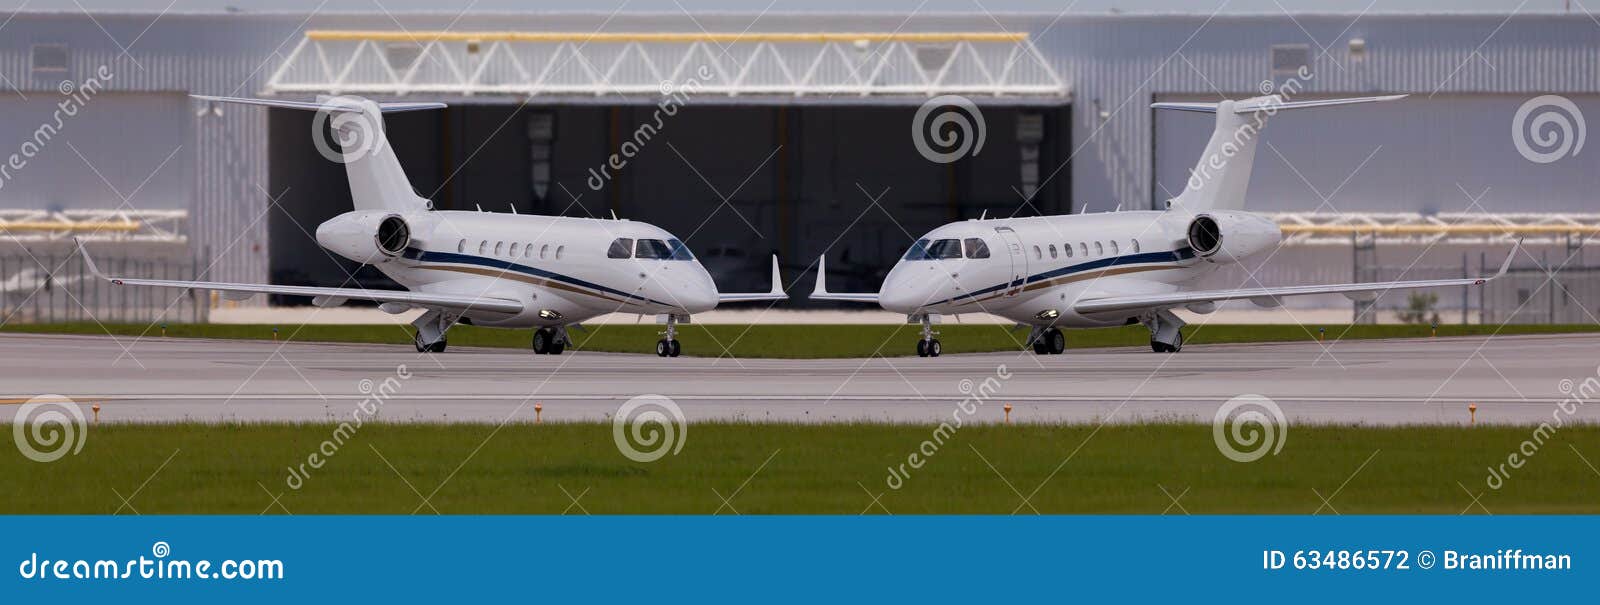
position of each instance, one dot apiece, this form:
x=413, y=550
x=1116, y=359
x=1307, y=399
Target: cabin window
x=621, y=248
x=527, y=250
x=1114, y=247
x=1083, y=249
x=1099, y=250
x=1052, y=250
x=462, y=246
x=977, y=248
x=514, y=248
x=499, y=247
x=559, y=250
x=934, y=249
x=483, y=247
x=1135, y=246
x=1037, y=253
x=1067, y=250
x=544, y=251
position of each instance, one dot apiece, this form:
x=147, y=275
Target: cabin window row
x=1083, y=249
x=514, y=250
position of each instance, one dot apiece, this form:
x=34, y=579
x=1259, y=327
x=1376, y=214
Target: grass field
x=812, y=469
x=791, y=341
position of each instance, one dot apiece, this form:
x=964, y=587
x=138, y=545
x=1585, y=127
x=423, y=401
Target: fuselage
x=1032, y=270
x=565, y=269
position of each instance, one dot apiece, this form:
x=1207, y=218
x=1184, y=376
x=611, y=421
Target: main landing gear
x=669, y=346
x=1166, y=334
x=1049, y=341
x=431, y=326
x=928, y=346
x=550, y=341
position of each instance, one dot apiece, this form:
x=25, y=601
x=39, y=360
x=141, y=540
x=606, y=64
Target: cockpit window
x=934, y=249
x=977, y=248
x=679, y=251
x=652, y=249
x=621, y=248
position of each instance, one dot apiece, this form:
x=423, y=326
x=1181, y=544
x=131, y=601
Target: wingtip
x=88, y=261
x=821, y=285
x=1510, y=256
x=777, y=278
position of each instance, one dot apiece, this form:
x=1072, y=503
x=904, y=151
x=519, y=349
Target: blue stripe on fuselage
x=495, y=263
x=1169, y=256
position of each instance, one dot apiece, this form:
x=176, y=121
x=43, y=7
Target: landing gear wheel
x=922, y=348
x=437, y=347
x=558, y=347
x=1040, y=348
x=676, y=348
x=542, y=341
x=662, y=348
x=934, y=348
x=1161, y=347
x=1055, y=342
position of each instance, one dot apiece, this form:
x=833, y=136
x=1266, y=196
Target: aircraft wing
x=776, y=293
x=820, y=291
x=323, y=296
x=1269, y=296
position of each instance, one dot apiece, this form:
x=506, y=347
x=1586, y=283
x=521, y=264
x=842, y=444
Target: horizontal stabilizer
x=332, y=104
x=1274, y=103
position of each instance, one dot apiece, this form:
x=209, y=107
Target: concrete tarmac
x=1511, y=379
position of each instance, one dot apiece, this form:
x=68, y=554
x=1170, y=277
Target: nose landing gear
x=928, y=346
x=669, y=346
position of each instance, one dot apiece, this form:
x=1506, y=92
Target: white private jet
x=483, y=268
x=1111, y=269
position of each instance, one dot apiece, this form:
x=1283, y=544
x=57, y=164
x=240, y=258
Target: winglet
x=89, y=262
x=821, y=286
x=1506, y=266
x=777, y=280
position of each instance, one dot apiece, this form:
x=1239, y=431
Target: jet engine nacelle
x=1229, y=237
x=366, y=236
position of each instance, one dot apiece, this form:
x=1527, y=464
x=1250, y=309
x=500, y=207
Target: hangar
x=799, y=138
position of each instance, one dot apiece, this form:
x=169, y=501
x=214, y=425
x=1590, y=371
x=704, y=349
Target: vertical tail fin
x=377, y=182
x=1222, y=176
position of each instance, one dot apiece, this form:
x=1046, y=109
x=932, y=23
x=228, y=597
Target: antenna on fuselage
x=1118, y=208
x=984, y=214
x=614, y=215
x=479, y=207
x=513, y=206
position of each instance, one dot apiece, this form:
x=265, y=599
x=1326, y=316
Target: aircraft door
x=1019, y=259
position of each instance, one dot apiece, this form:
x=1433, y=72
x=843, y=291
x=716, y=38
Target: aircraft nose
x=907, y=290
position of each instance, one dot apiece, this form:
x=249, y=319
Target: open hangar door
x=737, y=181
